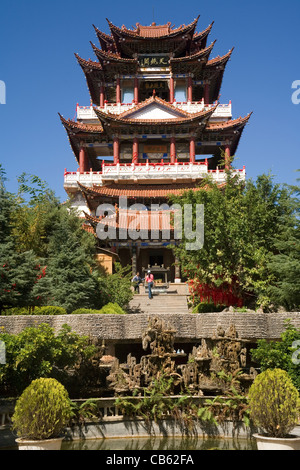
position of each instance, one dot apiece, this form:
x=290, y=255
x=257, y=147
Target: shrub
x=42, y=411
x=274, y=403
x=37, y=352
x=205, y=307
x=112, y=309
x=49, y=310
x=45, y=310
x=84, y=311
x=279, y=354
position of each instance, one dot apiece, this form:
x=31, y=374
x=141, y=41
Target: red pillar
x=102, y=96
x=172, y=149
x=190, y=89
x=135, y=150
x=227, y=157
x=116, y=150
x=118, y=91
x=206, y=93
x=192, y=149
x=83, y=160
x=171, y=90
x=136, y=90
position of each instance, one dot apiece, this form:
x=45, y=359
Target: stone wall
x=189, y=327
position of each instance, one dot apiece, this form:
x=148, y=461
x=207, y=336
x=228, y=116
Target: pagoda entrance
x=160, y=261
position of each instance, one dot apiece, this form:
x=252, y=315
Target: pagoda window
x=180, y=92
x=127, y=94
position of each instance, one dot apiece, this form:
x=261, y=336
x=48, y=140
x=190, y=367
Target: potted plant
x=274, y=409
x=40, y=415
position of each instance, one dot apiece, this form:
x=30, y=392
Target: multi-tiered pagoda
x=154, y=127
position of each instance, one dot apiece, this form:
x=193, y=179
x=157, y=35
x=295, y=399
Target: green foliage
x=112, y=309
x=36, y=352
x=284, y=263
x=42, y=411
x=71, y=277
x=274, y=403
x=116, y=288
x=49, y=310
x=279, y=354
x=206, y=307
x=85, y=311
x=239, y=226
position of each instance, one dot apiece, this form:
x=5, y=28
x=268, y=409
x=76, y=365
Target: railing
x=148, y=171
x=87, y=178
x=174, y=171
x=106, y=408
x=88, y=113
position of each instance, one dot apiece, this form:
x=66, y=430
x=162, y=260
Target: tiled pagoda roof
x=153, y=31
x=139, y=191
x=194, y=57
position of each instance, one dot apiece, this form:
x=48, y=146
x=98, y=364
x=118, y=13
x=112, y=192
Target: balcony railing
x=88, y=113
x=148, y=171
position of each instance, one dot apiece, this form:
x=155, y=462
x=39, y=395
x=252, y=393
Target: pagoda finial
x=154, y=93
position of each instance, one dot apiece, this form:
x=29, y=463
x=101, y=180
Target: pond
x=161, y=443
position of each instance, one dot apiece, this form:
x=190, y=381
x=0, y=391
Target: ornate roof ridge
x=220, y=59
x=197, y=55
x=201, y=34
x=241, y=121
x=88, y=63
x=105, y=36
x=134, y=33
x=153, y=99
x=72, y=125
x=105, y=55
x=188, y=117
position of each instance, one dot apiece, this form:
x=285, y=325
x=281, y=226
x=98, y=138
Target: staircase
x=160, y=303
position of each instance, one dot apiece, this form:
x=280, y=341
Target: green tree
x=239, y=225
x=284, y=262
x=71, y=274
x=18, y=271
x=116, y=288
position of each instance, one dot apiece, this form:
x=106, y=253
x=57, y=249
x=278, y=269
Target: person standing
x=150, y=282
x=137, y=280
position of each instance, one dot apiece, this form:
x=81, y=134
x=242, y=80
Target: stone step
x=160, y=303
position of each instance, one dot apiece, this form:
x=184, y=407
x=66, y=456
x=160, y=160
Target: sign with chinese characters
x=156, y=85
x=154, y=61
x=155, y=149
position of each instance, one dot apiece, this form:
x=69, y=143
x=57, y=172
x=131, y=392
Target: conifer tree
x=18, y=271
x=70, y=281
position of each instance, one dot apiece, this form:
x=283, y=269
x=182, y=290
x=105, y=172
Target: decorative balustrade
x=106, y=409
x=88, y=113
x=147, y=171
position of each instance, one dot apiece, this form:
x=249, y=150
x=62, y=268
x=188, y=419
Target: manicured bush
x=45, y=310
x=49, y=310
x=42, y=411
x=86, y=311
x=112, y=309
x=274, y=403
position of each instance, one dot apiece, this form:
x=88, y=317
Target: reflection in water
x=161, y=443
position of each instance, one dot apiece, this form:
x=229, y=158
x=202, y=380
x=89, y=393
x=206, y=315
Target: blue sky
x=42, y=76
